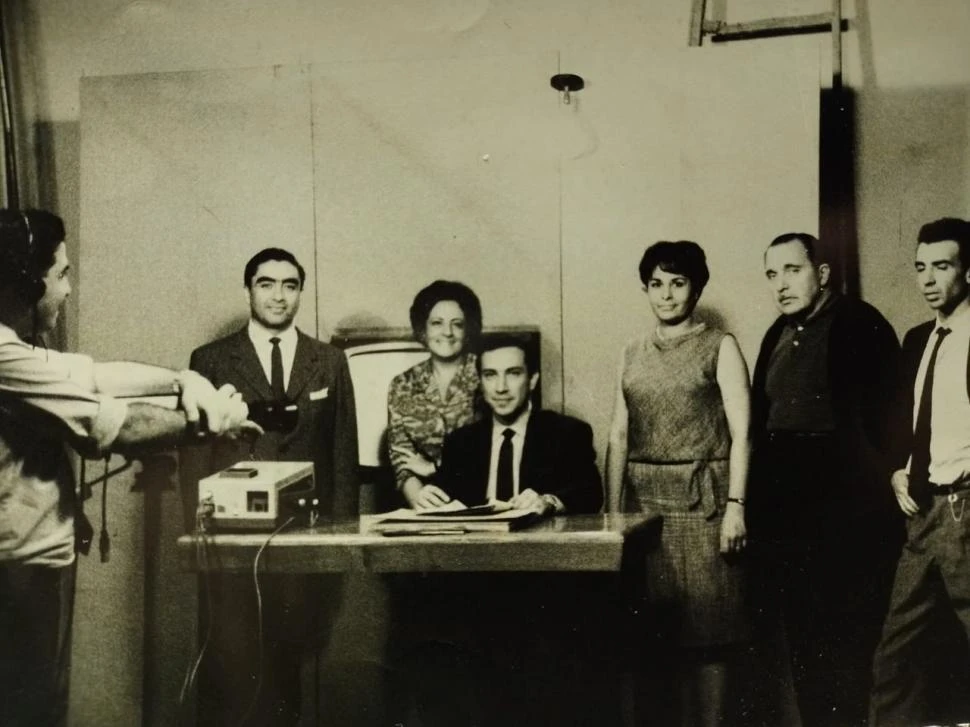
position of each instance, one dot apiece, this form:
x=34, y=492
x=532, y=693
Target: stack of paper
x=454, y=517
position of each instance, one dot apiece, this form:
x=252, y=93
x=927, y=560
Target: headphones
x=30, y=287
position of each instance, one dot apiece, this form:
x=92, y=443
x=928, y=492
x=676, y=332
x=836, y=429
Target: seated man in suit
x=300, y=388
x=533, y=459
x=471, y=670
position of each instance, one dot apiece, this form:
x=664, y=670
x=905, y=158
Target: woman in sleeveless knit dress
x=679, y=447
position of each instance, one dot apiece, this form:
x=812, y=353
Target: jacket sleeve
x=459, y=474
x=582, y=487
x=903, y=398
x=759, y=397
x=449, y=474
x=876, y=358
x=345, y=455
x=195, y=461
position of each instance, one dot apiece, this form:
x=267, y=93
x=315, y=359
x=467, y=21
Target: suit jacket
x=326, y=429
x=863, y=358
x=557, y=459
x=863, y=366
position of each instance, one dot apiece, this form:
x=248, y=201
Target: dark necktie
x=276, y=371
x=919, y=466
x=504, y=481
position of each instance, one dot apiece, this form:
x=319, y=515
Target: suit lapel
x=304, y=365
x=246, y=363
x=918, y=340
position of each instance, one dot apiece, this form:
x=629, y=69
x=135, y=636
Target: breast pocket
x=317, y=402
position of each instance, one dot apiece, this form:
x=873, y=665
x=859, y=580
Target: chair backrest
x=372, y=366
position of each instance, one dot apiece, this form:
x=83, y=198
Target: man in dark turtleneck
x=821, y=516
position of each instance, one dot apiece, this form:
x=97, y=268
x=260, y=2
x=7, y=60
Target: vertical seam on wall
x=313, y=206
x=562, y=277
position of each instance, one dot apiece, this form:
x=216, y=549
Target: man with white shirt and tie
x=533, y=459
x=300, y=390
x=932, y=484
x=297, y=386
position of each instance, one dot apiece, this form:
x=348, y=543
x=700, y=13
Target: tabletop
x=563, y=543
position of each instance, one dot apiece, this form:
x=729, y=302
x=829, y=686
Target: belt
x=783, y=435
x=941, y=490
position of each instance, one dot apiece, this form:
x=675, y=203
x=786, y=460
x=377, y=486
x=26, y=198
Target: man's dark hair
x=682, y=257
x=265, y=256
x=494, y=341
x=429, y=296
x=28, y=242
x=948, y=228
x=809, y=242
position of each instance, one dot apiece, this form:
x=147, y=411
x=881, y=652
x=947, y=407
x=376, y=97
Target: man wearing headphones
x=50, y=401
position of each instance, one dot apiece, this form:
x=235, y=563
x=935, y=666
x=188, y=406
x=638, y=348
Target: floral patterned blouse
x=418, y=417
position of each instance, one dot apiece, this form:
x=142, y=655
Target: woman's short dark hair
x=271, y=254
x=428, y=297
x=28, y=242
x=682, y=257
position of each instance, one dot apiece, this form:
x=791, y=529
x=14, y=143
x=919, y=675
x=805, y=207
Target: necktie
x=504, y=482
x=276, y=371
x=919, y=466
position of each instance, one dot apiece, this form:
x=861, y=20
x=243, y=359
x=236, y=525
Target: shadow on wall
x=913, y=166
x=838, y=229
x=57, y=176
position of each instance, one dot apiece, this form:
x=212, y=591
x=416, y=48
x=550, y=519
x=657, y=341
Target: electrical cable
x=129, y=463
x=104, y=539
x=259, y=621
x=84, y=487
x=202, y=559
x=84, y=493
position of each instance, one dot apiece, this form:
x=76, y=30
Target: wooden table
x=590, y=543
x=544, y=569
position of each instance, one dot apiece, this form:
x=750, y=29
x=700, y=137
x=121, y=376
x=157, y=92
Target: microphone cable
x=202, y=558
x=259, y=621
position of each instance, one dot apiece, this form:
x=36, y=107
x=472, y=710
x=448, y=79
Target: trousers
x=932, y=582
x=822, y=565
x=36, y=610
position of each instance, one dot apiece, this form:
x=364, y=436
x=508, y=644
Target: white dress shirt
x=260, y=335
x=518, y=442
x=950, y=422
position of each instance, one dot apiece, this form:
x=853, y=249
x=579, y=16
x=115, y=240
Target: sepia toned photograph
x=484, y=363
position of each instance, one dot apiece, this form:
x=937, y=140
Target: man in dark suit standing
x=823, y=525
x=932, y=487
x=300, y=388
x=533, y=459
